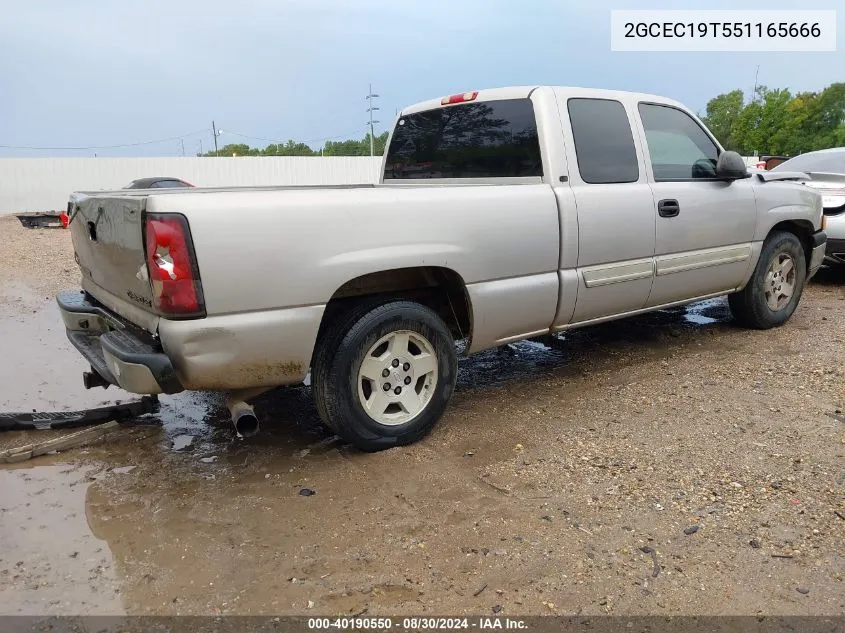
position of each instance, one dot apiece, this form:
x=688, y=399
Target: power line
x=162, y=140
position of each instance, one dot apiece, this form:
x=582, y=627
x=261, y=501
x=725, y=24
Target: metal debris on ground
x=74, y=440
x=40, y=421
x=42, y=220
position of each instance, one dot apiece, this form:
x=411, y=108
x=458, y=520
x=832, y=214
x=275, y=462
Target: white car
x=826, y=169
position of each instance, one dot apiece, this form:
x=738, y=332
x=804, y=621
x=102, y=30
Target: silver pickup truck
x=500, y=215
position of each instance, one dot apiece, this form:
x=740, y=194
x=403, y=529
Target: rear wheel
x=384, y=374
x=775, y=287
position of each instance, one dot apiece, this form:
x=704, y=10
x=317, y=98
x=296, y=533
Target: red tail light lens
x=461, y=98
x=174, y=276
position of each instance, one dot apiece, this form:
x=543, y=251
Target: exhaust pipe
x=244, y=419
x=243, y=415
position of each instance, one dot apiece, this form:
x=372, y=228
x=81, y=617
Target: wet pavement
x=50, y=562
x=555, y=462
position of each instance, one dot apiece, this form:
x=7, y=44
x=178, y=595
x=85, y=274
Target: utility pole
x=754, y=93
x=371, y=109
x=200, y=147
x=214, y=131
x=182, y=144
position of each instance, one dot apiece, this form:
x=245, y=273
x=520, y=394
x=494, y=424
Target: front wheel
x=772, y=294
x=383, y=375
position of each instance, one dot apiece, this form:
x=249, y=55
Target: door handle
x=668, y=208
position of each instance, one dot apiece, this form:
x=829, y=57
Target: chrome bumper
x=119, y=353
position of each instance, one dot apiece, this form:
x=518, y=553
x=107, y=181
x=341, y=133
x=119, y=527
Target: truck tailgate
x=108, y=240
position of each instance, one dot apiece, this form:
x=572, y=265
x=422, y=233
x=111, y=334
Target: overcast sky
x=95, y=73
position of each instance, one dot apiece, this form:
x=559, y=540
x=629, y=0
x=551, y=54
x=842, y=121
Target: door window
x=679, y=148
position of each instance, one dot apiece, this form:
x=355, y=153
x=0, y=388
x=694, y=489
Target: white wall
x=44, y=184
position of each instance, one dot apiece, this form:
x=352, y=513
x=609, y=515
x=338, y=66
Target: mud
x=564, y=478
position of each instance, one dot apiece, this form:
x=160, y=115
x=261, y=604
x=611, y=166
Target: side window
x=679, y=148
x=604, y=143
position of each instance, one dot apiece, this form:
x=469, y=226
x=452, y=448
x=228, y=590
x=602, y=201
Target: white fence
x=44, y=184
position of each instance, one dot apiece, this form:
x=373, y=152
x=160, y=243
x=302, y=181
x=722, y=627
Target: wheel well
x=441, y=289
x=803, y=230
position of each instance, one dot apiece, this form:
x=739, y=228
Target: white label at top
x=766, y=30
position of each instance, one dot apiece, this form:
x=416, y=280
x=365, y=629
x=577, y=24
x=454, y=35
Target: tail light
x=172, y=265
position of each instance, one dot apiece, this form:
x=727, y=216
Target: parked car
x=500, y=215
x=158, y=183
x=826, y=169
x=770, y=162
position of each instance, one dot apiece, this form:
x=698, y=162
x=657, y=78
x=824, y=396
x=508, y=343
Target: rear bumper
x=817, y=255
x=121, y=354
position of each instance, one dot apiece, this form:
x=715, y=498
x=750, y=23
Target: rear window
x=169, y=184
x=490, y=139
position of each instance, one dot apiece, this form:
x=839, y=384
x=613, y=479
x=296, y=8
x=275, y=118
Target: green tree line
x=350, y=147
x=777, y=122
x=773, y=121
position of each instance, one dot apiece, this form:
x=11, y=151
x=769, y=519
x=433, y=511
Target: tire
x=348, y=374
x=764, y=303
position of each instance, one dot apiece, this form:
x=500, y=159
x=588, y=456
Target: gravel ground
x=38, y=261
x=668, y=464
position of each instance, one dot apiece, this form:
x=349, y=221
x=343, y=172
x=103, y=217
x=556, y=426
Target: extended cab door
x=613, y=267
x=704, y=226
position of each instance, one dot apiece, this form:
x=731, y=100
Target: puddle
x=40, y=370
x=50, y=562
x=181, y=442
x=707, y=312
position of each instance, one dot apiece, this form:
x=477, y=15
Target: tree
x=772, y=134
x=722, y=113
x=235, y=149
x=774, y=122
x=825, y=116
x=291, y=148
x=777, y=122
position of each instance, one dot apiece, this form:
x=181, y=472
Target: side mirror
x=731, y=166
